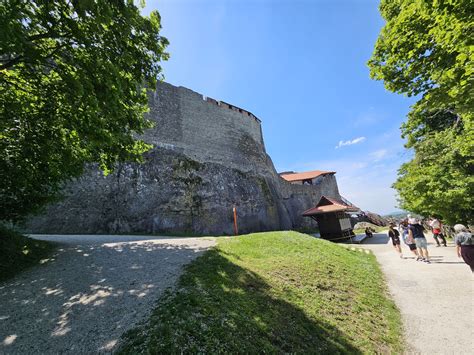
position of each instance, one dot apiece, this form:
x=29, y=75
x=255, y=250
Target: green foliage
x=439, y=180
x=276, y=292
x=425, y=50
x=18, y=252
x=72, y=91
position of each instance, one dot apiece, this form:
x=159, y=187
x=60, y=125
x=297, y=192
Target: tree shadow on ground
x=99, y=239
x=221, y=307
x=84, y=299
x=441, y=261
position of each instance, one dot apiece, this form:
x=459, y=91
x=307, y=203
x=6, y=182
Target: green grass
x=308, y=230
x=274, y=292
x=18, y=252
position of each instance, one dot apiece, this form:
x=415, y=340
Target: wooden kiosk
x=333, y=218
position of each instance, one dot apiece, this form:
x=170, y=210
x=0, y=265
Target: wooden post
x=236, y=230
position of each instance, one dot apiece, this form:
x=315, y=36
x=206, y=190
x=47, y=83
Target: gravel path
x=94, y=289
x=436, y=300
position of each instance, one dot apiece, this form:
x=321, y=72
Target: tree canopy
x=425, y=50
x=73, y=78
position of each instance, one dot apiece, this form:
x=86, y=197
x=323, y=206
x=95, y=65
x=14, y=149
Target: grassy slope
x=274, y=292
x=18, y=252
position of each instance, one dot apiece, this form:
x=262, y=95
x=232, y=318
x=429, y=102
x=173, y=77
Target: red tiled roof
x=305, y=175
x=327, y=204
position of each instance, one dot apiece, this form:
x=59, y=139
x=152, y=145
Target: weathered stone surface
x=207, y=158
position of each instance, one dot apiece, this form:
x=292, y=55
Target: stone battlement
x=231, y=107
x=205, y=129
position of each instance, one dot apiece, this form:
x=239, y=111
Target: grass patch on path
x=18, y=252
x=271, y=293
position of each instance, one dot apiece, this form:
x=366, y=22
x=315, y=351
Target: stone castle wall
x=205, y=130
x=208, y=157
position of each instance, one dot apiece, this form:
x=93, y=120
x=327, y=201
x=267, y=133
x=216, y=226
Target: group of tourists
x=412, y=232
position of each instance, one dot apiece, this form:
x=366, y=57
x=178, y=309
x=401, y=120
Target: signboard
x=345, y=223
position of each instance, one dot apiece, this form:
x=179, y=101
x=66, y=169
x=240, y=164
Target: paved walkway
x=95, y=289
x=436, y=300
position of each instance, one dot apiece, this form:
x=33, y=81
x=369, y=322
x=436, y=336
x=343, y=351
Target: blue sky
x=300, y=66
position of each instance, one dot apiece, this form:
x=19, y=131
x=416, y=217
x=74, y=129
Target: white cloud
x=350, y=142
x=378, y=154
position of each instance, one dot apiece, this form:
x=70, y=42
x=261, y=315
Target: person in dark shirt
x=410, y=242
x=395, y=236
x=415, y=231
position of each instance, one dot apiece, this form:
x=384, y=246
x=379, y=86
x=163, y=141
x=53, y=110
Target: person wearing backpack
x=415, y=231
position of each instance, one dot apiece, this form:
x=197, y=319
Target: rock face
x=370, y=217
x=208, y=156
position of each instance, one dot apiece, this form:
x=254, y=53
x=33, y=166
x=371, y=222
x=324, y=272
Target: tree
x=73, y=78
x=425, y=50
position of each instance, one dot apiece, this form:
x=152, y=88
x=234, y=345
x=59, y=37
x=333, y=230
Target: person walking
x=464, y=245
x=415, y=231
x=409, y=241
x=395, y=237
x=436, y=226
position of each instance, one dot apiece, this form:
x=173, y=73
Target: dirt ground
x=94, y=290
x=436, y=300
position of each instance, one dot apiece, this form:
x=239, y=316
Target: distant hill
x=398, y=215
